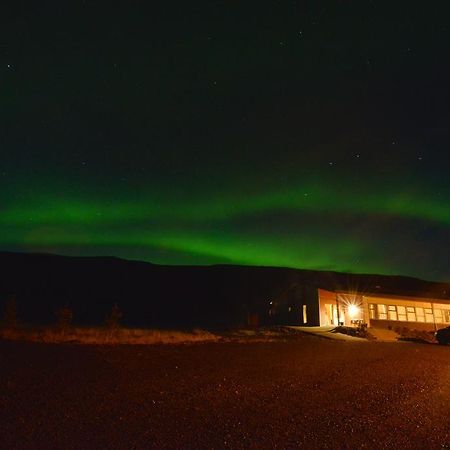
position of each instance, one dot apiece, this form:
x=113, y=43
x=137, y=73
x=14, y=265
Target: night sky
x=306, y=134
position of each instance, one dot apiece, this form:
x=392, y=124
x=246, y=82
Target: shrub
x=408, y=334
x=358, y=331
x=112, y=320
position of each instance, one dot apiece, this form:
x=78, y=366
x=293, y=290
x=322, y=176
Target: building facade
x=379, y=310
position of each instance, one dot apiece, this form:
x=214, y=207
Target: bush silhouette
x=112, y=320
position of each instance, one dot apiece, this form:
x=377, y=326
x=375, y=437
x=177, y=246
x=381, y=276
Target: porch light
x=353, y=310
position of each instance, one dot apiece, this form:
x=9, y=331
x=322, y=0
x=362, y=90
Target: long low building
x=380, y=310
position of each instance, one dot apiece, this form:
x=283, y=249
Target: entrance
x=331, y=316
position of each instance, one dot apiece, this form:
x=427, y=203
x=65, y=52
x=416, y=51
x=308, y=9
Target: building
x=380, y=310
x=376, y=307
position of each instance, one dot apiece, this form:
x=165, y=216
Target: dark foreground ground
x=308, y=392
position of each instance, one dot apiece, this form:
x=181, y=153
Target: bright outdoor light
x=353, y=310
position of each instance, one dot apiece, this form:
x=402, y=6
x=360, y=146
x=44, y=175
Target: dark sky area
x=309, y=134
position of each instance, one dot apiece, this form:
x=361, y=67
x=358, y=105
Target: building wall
x=311, y=301
x=383, y=311
x=297, y=306
x=411, y=312
x=345, y=308
x=326, y=298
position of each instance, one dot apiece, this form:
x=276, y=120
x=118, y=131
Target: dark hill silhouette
x=182, y=296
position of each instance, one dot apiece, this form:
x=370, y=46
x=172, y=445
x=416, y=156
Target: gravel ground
x=307, y=392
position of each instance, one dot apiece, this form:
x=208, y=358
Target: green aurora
x=287, y=227
x=300, y=134
x=53, y=210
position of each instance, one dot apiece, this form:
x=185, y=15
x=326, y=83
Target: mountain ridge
x=159, y=295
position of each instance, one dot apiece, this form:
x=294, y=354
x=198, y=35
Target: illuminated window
x=372, y=314
x=411, y=314
x=446, y=315
x=392, y=310
x=401, y=312
x=305, y=316
x=438, y=315
x=382, y=312
x=429, y=317
x=420, y=314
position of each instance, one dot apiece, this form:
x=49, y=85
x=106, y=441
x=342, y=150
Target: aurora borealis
x=282, y=134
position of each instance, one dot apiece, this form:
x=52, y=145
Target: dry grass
x=101, y=336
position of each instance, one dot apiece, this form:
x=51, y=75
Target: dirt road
x=308, y=393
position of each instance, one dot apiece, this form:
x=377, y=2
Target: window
x=441, y=314
x=392, y=312
x=305, y=316
x=411, y=314
x=401, y=311
x=420, y=315
x=372, y=314
x=382, y=312
x=438, y=315
x=429, y=316
x=446, y=315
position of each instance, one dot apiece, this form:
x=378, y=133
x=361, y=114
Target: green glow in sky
x=307, y=135
x=287, y=227
x=49, y=209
